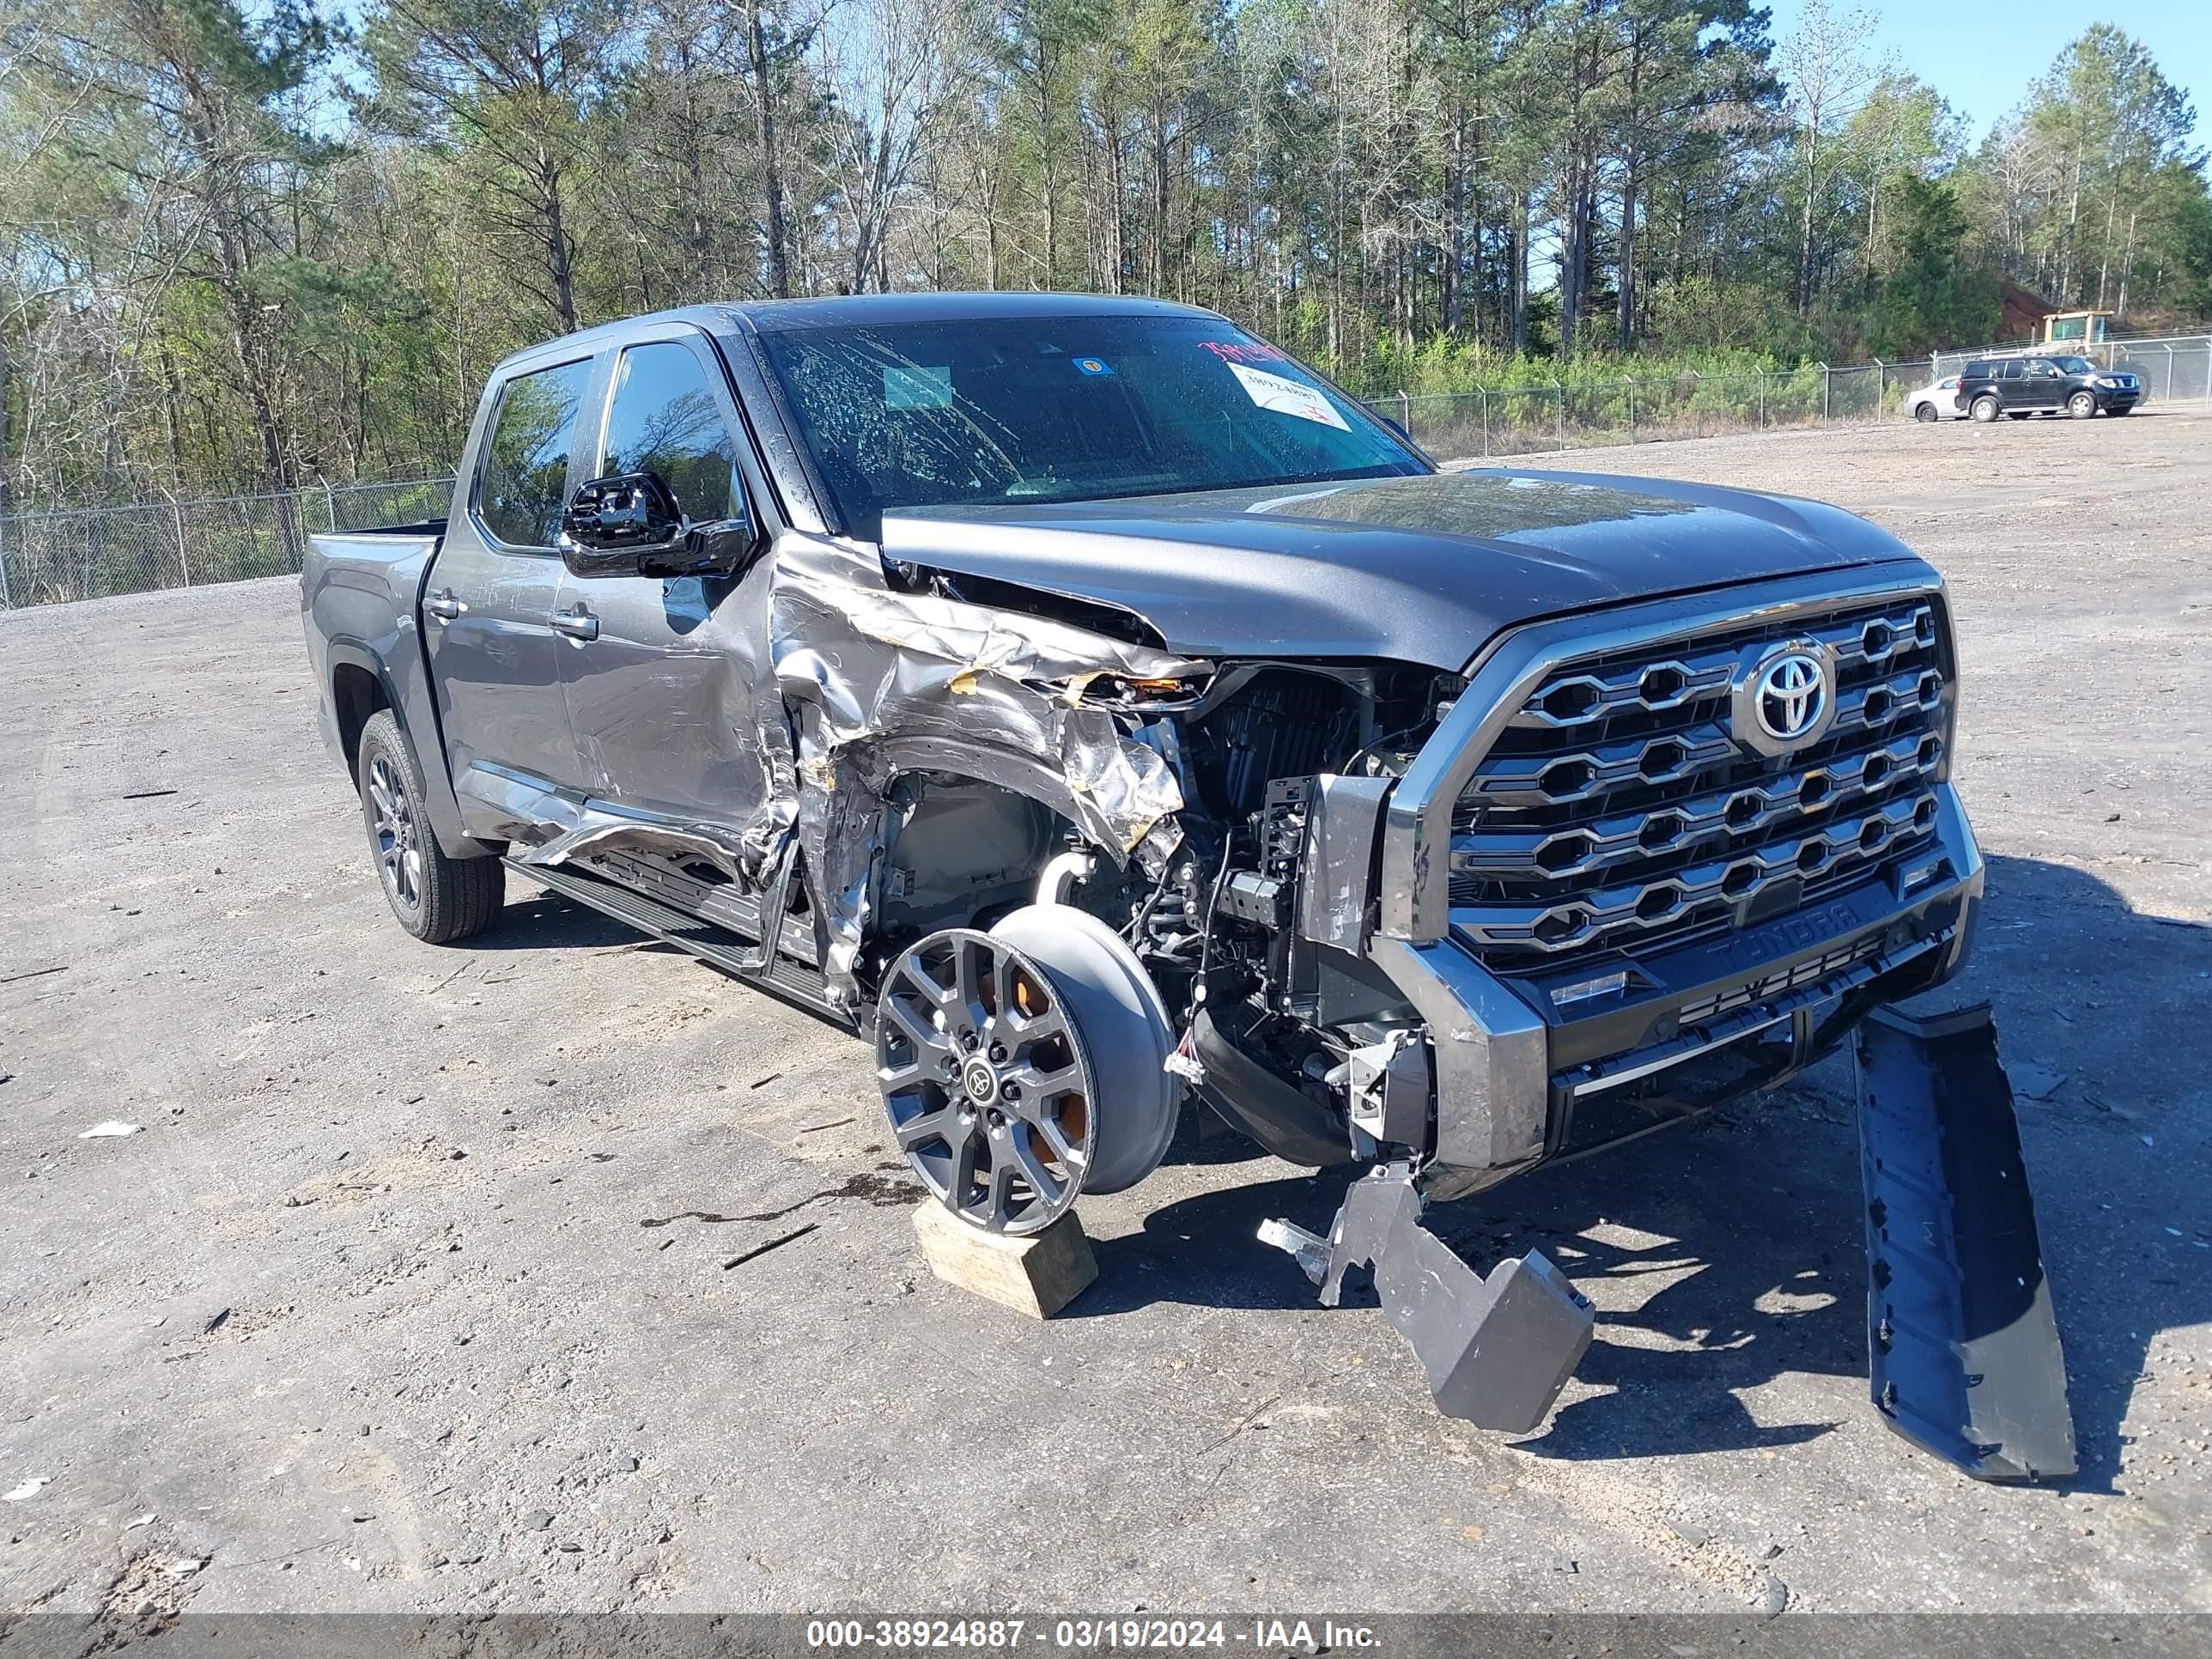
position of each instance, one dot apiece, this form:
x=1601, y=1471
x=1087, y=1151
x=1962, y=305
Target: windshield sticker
x=907, y=386
x=1244, y=351
x=1284, y=396
x=1091, y=366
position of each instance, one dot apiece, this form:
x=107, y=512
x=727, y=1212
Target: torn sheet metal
x=964, y=643
x=852, y=684
x=879, y=682
x=739, y=855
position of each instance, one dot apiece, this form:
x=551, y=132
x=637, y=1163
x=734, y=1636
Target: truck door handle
x=577, y=622
x=443, y=605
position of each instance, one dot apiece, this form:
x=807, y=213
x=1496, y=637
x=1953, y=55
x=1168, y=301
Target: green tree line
x=252, y=244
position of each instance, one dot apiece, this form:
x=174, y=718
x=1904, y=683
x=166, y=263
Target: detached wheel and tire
x=1024, y=1066
x=436, y=898
x=1985, y=409
x=2082, y=405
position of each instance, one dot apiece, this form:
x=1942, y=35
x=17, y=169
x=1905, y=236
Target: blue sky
x=1981, y=54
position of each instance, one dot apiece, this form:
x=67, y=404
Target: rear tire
x=2121, y=409
x=1986, y=408
x=2017, y=414
x=438, y=899
x=1924, y=413
x=2082, y=405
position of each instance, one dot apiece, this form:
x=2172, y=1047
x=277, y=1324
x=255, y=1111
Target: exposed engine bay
x=1207, y=900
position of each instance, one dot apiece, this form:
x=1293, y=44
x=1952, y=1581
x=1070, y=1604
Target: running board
x=1498, y=1348
x=1962, y=1343
x=731, y=951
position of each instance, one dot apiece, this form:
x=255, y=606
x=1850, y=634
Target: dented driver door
x=661, y=674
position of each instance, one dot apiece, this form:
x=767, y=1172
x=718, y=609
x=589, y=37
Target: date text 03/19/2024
x=1127, y=1634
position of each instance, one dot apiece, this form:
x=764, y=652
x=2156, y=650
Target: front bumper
x=1521, y=1078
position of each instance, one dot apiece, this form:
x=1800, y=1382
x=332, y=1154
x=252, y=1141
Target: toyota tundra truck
x=1092, y=707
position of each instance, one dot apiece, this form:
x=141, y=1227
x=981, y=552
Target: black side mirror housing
x=630, y=525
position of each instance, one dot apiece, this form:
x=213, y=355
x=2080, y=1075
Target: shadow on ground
x=1747, y=1226
x=551, y=921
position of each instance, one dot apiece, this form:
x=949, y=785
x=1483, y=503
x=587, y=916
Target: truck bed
x=359, y=598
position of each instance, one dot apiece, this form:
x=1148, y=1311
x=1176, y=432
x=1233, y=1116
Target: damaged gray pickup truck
x=1085, y=703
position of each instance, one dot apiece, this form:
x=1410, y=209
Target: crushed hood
x=1422, y=569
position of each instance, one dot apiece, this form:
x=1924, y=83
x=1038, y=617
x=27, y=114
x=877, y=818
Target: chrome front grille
x=1615, y=812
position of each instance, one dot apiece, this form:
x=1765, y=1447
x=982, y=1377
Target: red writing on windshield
x=1244, y=351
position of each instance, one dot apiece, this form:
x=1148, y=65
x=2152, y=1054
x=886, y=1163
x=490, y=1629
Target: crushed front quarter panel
x=880, y=681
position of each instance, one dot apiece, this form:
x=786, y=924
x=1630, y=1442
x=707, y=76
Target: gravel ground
x=421, y=1286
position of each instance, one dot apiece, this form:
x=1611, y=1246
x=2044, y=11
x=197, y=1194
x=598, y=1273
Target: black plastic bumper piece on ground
x=1963, y=1345
x=1498, y=1349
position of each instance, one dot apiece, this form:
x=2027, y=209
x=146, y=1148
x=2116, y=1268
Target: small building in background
x=2022, y=312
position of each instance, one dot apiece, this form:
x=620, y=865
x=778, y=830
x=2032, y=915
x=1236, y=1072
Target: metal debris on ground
x=740, y=1260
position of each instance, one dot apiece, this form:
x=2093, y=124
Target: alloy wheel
x=984, y=1075
x=394, y=827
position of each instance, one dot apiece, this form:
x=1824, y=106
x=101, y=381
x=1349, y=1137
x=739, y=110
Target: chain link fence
x=1490, y=421
x=48, y=558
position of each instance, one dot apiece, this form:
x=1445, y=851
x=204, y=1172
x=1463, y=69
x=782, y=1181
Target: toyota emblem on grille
x=1792, y=692
x=1785, y=698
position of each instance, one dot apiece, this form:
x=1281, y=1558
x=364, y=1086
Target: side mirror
x=630, y=525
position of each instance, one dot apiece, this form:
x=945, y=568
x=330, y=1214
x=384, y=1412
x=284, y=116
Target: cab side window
x=525, y=470
x=666, y=419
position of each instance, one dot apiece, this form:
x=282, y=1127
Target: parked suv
x=2017, y=387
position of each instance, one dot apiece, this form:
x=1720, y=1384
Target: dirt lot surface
x=434, y=1279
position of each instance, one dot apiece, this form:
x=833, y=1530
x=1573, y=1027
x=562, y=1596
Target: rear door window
x=667, y=418
x=525, y=481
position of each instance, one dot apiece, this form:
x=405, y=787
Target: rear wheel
x=2082, y=405
x=2017, y=414
x=436, y=898
x=1986, y=408
x=1924, y=413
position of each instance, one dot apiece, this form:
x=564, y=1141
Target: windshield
x=1014, y=411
